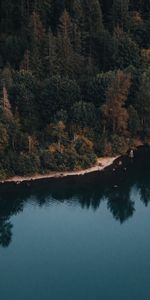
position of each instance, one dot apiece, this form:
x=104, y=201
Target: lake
x=81, y=238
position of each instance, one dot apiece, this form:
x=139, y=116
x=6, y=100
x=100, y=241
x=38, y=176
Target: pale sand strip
x=101, y=164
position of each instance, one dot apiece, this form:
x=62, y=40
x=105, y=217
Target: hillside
x=74, y=82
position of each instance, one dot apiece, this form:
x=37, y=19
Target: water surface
x=81, y=238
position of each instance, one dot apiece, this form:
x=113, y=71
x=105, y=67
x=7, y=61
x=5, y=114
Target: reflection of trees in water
x=5, y=232
x=90, y=199
x=145, y=194
x=8, y=207
x=121, y=205
x=88, y=192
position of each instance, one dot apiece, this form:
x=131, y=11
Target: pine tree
x=114, y=110
x=49, y=58
x=143, y=103
x=37, y=37
x=5, y=103
x=120, y=13
x=65, y=49
x=25, y=64
x=92, y=16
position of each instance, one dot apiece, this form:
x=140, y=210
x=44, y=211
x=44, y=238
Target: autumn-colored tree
x=143, y=103
x=67, y=63
x=114, y=111
x=57, y=134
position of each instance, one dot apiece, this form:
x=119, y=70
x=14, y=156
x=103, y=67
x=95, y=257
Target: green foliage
x=4, y=138
x=134, y=121
x=23, y=98
x=143, y=103
x=94, y=89
x=119, y=145
x=57, y=94
x=3, y=173
x=126, y=50
x=27, y=164
x=74, y=82
x=83, y=114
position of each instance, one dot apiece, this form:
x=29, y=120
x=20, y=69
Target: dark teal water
x=82, y=238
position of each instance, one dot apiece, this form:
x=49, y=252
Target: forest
x=74, y=82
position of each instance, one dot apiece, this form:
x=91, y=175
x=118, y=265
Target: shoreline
x=101, y=164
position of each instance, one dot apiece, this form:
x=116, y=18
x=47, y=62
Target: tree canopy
x=74, y=82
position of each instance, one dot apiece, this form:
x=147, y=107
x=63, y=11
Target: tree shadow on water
x=5, y=233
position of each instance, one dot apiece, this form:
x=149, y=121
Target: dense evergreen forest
x=74, y=82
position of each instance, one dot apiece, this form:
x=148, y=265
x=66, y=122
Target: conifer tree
x=120, y=13
x=114, y=110
x=65, y=49
x=5, y=103
x=36, y=44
